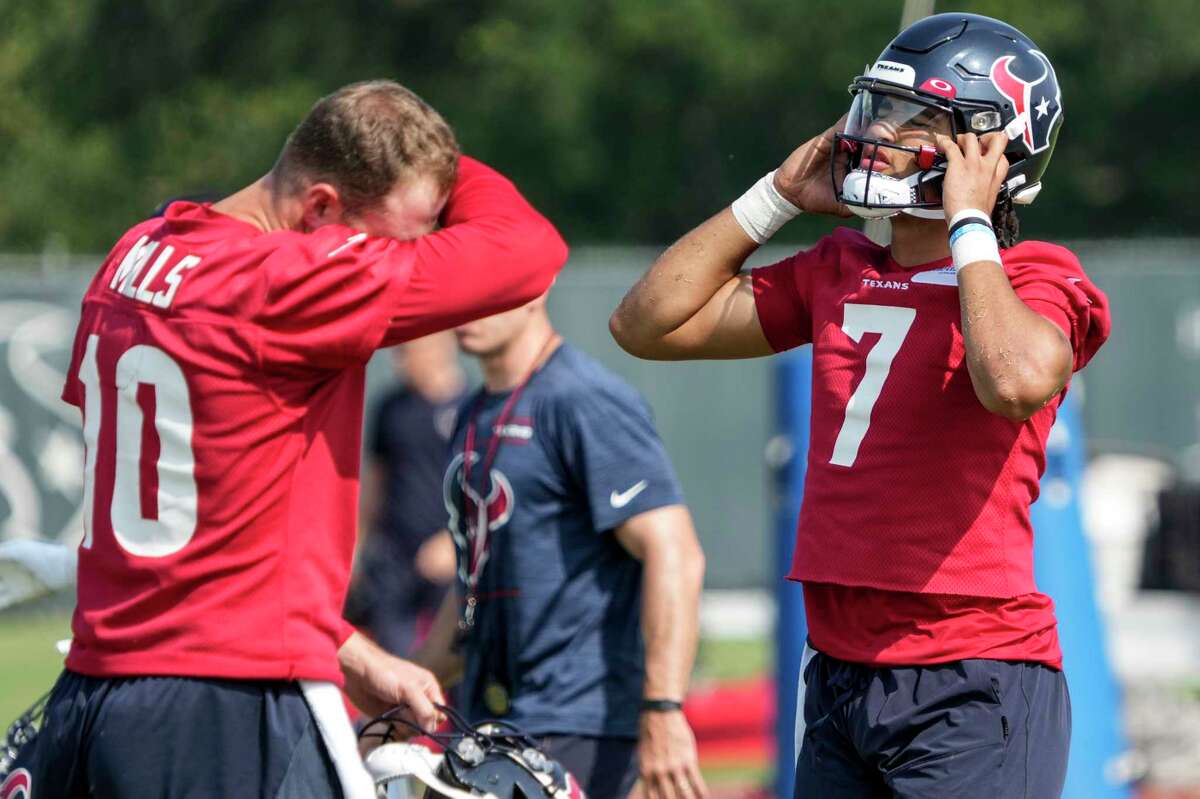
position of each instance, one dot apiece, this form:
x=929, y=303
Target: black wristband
x=661, y=705
x=970, y=220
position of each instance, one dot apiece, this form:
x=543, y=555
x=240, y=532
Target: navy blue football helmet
x=949, y=73
x=492, y=760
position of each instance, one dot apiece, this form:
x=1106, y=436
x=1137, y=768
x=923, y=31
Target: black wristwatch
x=661, y=705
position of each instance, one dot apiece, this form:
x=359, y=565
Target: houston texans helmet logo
x=18, y=785
x=1037, y=103
x=474, y=517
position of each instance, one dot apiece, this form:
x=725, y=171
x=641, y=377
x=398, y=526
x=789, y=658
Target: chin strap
x=873, y=195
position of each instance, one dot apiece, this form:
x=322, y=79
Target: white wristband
x=762, y=210
x=972, y=238
x=974, y=243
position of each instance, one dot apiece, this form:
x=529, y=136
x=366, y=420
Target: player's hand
x=667, y=761
x=975, y=171
x=805, y=178
x=377, y=681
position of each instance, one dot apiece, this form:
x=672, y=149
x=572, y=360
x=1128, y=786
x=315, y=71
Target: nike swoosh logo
x=620, y=500
x=350, y=242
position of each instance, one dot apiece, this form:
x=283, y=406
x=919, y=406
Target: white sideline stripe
x=728, y=614
x=325, y=702
x=809, y=654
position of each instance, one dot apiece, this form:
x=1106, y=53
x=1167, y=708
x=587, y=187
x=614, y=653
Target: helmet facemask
x=966, y=74
x=886, y=160
x=492, y=760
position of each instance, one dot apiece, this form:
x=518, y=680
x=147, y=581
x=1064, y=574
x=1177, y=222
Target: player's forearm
x=507, y=242
x=1018, y=360
x=438, y=653
x=355, y=653
x=495, y=252
x=679, y=284
x=672, y=578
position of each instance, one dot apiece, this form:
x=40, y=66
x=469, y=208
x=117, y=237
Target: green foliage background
x=625, y=120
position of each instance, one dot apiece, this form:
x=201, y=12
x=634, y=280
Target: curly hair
x=1005, y=222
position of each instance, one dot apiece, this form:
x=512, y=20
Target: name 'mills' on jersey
x=912, y=485
x=220, y=374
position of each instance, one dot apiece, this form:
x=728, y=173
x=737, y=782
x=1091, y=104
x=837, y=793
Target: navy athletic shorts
x=970, y=728
x=178, y=737
x=605, y=767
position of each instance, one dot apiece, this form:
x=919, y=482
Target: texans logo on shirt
x=18, y=785
x=475, y=516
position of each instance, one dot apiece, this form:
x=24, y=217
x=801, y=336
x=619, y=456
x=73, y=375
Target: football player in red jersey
x=219, y=366
x=938, y=365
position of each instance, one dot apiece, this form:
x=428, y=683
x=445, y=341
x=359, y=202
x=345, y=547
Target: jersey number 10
x=153, y=500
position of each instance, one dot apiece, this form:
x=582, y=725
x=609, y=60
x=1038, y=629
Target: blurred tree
x=625, y=120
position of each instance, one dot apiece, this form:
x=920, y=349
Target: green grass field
x=29, y=662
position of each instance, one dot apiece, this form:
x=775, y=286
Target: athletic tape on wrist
x=762, y=210
x=972, y=238
x=973, y=243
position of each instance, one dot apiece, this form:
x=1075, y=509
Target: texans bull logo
x=1036, y=108
x=18, y=785
x=474, y=517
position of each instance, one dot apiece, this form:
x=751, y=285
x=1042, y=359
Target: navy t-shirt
x=558, y=623
x=410, y=439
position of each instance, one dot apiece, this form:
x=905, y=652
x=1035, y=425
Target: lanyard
x=479, y=542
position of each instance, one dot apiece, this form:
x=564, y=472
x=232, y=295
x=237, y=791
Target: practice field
x=29, y=661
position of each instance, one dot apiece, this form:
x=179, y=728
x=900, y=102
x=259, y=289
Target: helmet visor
x=890, y=146
x=895, y=118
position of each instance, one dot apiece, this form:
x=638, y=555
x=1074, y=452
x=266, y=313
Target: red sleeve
x=327, y=297
x=72, y=392
x=334, y=296
x=494, y=253
x=1050, y=280
x=783, y=299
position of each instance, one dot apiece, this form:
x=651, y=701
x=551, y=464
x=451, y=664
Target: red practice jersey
x=220, y=374
x=914, y=490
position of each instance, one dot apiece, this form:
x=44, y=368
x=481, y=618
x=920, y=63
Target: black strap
x=969, y=220
x=661, y=705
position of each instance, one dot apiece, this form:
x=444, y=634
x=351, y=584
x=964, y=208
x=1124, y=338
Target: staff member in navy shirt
x=575, y=612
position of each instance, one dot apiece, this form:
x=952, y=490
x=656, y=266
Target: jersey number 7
x=892, y=323
x=149, y=455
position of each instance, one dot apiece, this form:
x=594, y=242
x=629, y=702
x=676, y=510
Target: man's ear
x=321, y=205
